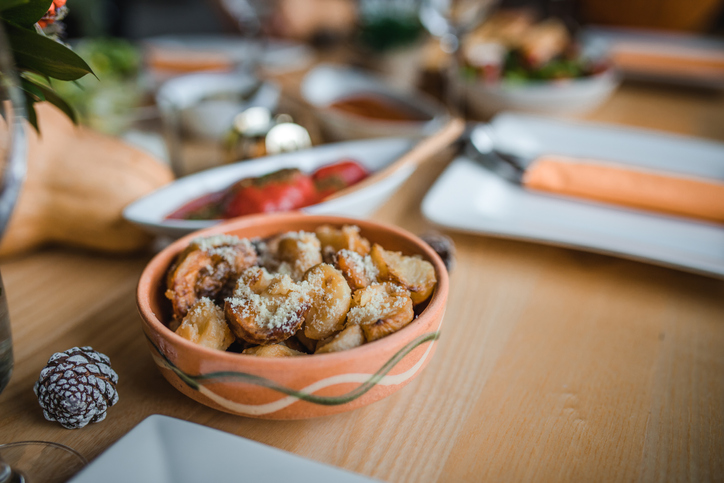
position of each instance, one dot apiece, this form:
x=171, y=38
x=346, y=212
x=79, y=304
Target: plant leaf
x=7, y=4
x=31, y=114
x=27, y=13
x=52, y=97
x=32, y=89
x=35, y=77
x=47, y=57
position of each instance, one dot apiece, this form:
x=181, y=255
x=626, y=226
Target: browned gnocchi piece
x=308, y=343
x=207, y=268
x=266, y=309
x=294, y=343
x=272, y=350
x=380, y=309
x=205, y=325
x=331, y=297
x=413, y=273
x=335, y=239
x=298, y=251
x=358, y=270
x=349, y=338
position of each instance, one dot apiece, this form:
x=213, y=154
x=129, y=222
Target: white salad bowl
x=568, y=96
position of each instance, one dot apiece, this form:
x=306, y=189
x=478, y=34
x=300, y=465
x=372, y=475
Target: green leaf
x=31, y=114
x=27, y=13
x=47, y=57
x=35, y=77
x=6, y=4
x=52, y=97
x=32, y=89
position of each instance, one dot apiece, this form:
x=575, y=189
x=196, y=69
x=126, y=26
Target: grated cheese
x=306, y=254
x=281, y=303
x=377, y=301
x=362, y=264
x=209, y=242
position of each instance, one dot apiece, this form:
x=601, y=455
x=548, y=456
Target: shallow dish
x=328, y=83
x=150, y=211
x=169, y=55
x=470, y=198
x=161, y=449
x=571, y=96
x=658, y=56
x=292, y=387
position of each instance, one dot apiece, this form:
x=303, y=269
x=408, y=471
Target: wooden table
x=553, y=364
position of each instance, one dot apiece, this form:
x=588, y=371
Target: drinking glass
x=450, y=21
x=25, y=461
x=38, y=461
x=12, y=173
x=6, y=342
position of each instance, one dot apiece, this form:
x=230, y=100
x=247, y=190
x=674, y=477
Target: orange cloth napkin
x=676, y=62
x=184, y=60
x=633, y=187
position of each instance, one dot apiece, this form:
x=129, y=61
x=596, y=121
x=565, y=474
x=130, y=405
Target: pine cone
x=77, y=387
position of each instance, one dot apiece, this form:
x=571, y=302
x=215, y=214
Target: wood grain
x=553, y=364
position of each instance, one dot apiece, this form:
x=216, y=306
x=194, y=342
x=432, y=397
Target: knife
x=604, y=181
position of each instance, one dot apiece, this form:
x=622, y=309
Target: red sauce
x=379, y=107
x=206, y=207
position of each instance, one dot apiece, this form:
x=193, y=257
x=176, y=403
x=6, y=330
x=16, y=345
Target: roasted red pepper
x=283, y=190
x=335, y=177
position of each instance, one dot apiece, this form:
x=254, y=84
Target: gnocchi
x=294, y=294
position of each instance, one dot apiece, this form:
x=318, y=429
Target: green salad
x=516, y=67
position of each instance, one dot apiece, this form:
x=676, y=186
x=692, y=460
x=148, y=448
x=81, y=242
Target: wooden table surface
x=554, y=364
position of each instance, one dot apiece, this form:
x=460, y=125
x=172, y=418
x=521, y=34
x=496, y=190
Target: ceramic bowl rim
x=145, y=292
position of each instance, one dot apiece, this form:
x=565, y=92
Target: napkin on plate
x=663, y=60
x=632, y=187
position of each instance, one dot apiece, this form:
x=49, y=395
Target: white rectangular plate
x=470, y=198
x=665, y=45
x=167, y=450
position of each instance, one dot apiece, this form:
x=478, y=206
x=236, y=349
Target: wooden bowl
x=291, y=387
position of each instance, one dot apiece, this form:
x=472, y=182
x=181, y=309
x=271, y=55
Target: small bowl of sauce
x=375, y=106
x=353, y=104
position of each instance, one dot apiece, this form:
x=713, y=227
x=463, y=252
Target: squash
x=78, y=182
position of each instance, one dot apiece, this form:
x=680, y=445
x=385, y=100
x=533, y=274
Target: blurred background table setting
x=553, y=168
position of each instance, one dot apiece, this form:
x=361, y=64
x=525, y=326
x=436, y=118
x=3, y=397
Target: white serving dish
x=670, y=47
x=181, y=100
x=470, y=198
x=275, y=55
x=570, y=96
x=161, y=449
x=328, y=83
x=149, y=212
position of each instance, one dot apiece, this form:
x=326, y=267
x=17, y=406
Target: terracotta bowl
x=291, y=387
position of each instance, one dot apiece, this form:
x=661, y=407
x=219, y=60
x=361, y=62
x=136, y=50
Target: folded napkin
x=678, y=62
x=187, y=60
x=633, y=187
